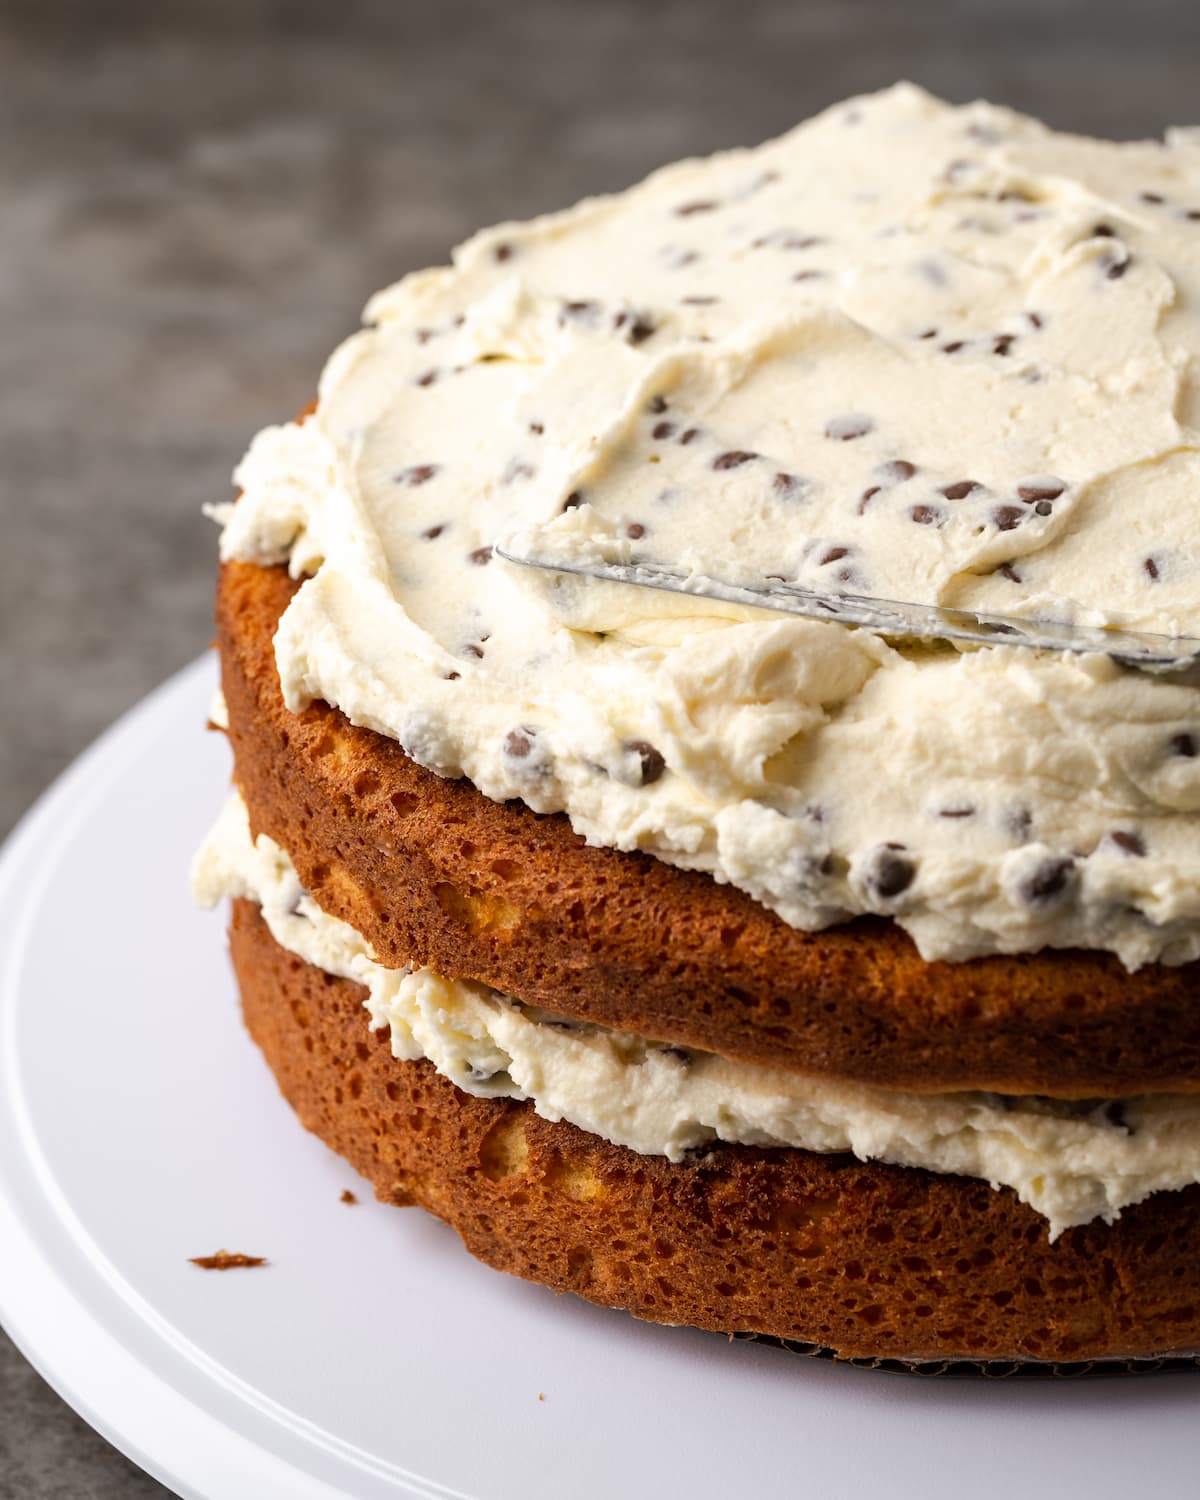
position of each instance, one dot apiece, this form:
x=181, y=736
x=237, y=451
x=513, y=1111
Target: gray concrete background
x=196, y=199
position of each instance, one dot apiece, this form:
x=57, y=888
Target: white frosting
x=1070, y=1163
x=934, y=354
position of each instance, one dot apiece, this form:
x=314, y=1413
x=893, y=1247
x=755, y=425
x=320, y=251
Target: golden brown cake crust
x=432, y=872
x=866, y=1259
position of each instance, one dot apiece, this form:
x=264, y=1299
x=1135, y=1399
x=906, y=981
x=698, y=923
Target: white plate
x=374, y=1357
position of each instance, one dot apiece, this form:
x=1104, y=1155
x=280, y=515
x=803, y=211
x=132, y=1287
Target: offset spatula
x=888, y=617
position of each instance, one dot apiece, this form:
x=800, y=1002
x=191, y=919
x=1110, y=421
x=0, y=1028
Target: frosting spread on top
x=928, y=353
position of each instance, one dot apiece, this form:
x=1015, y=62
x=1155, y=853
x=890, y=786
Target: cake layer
x=865, y=1259
x=1072, y=1164
x=919, y=352
x=434, y=874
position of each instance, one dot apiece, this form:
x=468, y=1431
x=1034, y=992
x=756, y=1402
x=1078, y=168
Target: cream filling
x=1071, y=1165
x=928, y=353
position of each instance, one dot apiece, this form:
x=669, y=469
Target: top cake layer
x=927, y=353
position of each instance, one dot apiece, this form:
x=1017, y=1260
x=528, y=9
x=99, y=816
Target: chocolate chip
x=866, y=497
x=788, y=486
x=471, y=649
x=1192, y=213
x=1049, y=883
x=697, y=206
x=1182, y=744
x=518, y=743
x=417, y=474
x=536, y=428
x=689, y=436
x=434, y=532
x=502, y=252
x=890, y=872
x=734, y=459
x=928, y=333
x=1035, y=319
x=663, y=430
x=577, y=312
x=423, y=335
x=1044, y=508
x=832, y=555
x=1044, y=487
x=656, y=405
x=956, y=812
x=927, y=515
x=1002, y=342
x=1103, y=231
x=1115, y=266
x=954, y=346
x=1127, y=842
x=653, y=763
x=1006, y=570
x=896, y=471
x=427, y=378
x=641, y=329
x=451, y=676
x=1152, y=197
x=573, y=501
x=481, y=556
x=635, y=531
x=699, y=301
x=1151, y=569
x=846, y=429
x=960, y=489
x=1007, y=517
x=1114, y=1114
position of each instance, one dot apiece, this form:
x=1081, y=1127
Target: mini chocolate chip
x=928, y=333
x=417, y=474
x=960, y=489
x=434, y=532
x=1114, y=1115
x=1103, y=231
x=663, y=430
x=1006, y=570
x=734, y=459
x=846, y=429
x=1151, y=569
x=502, y=252
x=472, y=650
x=954, y=346
x=1115, y=266
x=1044, y=508
x=1182, y=744
x=788, y=486
x=1152, y=197
x=656, y=405
x=1043, y=488
x=451, y=676
x=867, y=496
x=957, y=812
x=653, y=763
x=699, y=301
x=428, y=378
x=926, y=515
x=635, y=531
x=890, y=872
x=518, y=743
x=423, y=335
x=481, y=556
x=1192, y=213
x=1127, y=842
x=697, y=206
x=689, y=436
x=1035, y=319
x=573, y=501
x=1050, y=882
x=1007, y=517
x=1003, y=342
x=641, y=329
x=536, y=428
x=896, y=471
x=832, y=555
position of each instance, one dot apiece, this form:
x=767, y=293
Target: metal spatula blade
x=888, y=617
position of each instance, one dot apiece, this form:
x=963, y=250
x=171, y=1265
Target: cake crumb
x=226, y=1260
x=348, y=1196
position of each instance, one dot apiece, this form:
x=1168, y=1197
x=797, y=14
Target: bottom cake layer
x=866, y=1259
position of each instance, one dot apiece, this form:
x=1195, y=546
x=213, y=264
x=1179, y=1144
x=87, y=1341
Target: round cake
x=740, y=968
